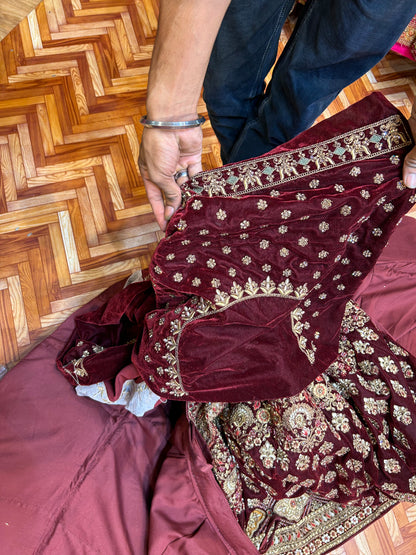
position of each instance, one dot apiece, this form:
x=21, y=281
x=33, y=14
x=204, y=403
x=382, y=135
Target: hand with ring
x=180, y=174
x=165, y=156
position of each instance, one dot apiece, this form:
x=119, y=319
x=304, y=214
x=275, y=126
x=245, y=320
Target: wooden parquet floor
x=74, y=217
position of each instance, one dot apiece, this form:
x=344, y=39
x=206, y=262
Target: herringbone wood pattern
x=73, y=212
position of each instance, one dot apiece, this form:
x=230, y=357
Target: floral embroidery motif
x=197, y=204
x=262, y=204
x=378, y=178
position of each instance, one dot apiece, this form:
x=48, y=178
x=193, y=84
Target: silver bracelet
x=172, y=124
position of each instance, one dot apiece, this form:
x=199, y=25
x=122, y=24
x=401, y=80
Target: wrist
x=172, y=124
x=163, y=105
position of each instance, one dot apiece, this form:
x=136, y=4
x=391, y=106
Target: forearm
x=186, y=33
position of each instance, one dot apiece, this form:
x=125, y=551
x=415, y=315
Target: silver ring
x=179, y=174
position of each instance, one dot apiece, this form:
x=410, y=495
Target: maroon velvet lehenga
x=301, y=406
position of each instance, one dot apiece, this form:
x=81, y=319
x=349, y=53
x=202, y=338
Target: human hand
x=162, y=154
x=409, y=167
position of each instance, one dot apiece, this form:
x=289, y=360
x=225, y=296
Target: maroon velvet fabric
x=77, y=476
x=387, y=291
x=255, y=271
x=80, y=477
x=101, y=342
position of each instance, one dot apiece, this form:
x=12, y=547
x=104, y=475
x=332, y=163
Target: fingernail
x=411, y=181
x=169, y=212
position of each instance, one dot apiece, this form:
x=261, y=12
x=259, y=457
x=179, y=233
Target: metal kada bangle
x=172, y=124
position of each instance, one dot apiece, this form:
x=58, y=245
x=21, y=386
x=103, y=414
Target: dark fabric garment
x=253, y=276
x=80, y=477
x=333, y=44
x=389, y=286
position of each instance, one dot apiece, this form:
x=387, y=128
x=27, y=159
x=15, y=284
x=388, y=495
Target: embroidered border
x=359, y=144
x=326, y=528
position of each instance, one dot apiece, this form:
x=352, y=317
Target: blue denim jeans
x=334, y=43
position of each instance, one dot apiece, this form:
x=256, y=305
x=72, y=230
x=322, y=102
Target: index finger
x=155, y=196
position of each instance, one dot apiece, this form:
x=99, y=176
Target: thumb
x=409, y=169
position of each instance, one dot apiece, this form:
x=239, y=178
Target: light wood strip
x=47, y=67
x=59, y=12
x=34, y=30
x=109, y=269
x=144, y=19
x=19, y=315
x=97, y=124
x=88, y=222
x=26, y=149
x=127, y=84
x=69, y=242
x=114, y=187
x=14, y=218
x=131, y=36
x=90, y=26
x=393, y=529
x=123, y=244
x=59, y=253
x=45, y=130
x=17, y=162
x=138, y=210
x=75, y=301
x=151, y=15
x=7, y=174
x=128, y=232
x=28, y=223
x=51, y=16
x=134, y=144
x=124, y=41
x=95, y=201
x=100, y=11
x=8, y=344
x=26, y=39
x=73, y=165
x=3, y=284
x=11, y=103
x=77, y=34
x=67, y=49
x=117, y=49
x=133, y=71
x=53, y=116
x=411, y=513
x=28, y=293
x=55, y=318
x=59, y=177
x=47, y=199
x=92, y=135
x=25, y=77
